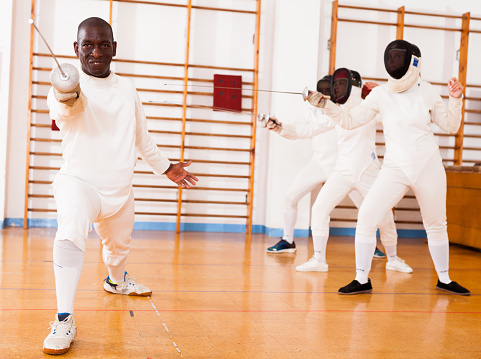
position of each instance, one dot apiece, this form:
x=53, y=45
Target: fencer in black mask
x=341, y=84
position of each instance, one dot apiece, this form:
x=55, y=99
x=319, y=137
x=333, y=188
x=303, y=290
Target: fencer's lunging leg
x=68, y=262
x=387, y=190
x=310, y=177
x=430, y=191
x=332, y=193
x=115, y=233
x=77, y=206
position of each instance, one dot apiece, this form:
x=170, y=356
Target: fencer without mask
x=403, y=65
x=342, y=81
x=324, y=85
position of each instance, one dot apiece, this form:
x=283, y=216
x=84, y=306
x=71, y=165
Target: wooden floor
x=219, y=295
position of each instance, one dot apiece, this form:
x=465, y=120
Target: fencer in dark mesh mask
x=324, y=85
x=342, y=81
x=403, y=64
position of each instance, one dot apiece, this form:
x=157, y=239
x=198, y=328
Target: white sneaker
x=312, y=266
x=398, y=265
x=128, y=287
x=61, y=336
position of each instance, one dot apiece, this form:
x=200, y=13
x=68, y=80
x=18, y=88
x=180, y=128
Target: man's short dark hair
x=95, y=21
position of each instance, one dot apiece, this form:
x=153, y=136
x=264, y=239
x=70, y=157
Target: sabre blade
x=236, y=88
x=64, y=75
x=220, y=109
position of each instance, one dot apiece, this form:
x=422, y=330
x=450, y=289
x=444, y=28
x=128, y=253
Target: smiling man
x=95, y=49
x=104, y=130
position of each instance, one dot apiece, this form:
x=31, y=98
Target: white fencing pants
x=388, y=189
x=336, y=188
x=79, y=206
x=310, y=177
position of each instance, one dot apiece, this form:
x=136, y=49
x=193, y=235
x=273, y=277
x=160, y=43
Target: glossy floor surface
x=219, y=295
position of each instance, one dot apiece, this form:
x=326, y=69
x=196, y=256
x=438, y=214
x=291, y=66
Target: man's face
x=340, y=86
x=395, y=59
x=95, y=49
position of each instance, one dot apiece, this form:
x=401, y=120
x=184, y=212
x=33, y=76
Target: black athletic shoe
x=453, y=288
x=282, y=246
x=356, y=288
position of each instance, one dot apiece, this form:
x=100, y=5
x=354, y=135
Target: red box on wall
x=227, y=93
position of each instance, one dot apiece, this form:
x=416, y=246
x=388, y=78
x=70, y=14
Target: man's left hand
x=455, y=87
x=177, y=174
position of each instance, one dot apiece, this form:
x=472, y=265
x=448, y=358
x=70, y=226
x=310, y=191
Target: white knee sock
x=68, y=261
x=290, y=217
x=116, y=273
x=439, y=250
x=320, y=244
x=365, y=247
x=391, y=252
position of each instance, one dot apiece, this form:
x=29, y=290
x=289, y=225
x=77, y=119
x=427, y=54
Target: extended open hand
x=177, y=174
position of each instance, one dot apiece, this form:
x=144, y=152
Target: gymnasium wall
x=293, y=54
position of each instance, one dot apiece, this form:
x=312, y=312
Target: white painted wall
x=6, y=8
x=293, y=54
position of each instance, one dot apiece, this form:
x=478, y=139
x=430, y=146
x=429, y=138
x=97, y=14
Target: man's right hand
x=67, y=98
x=317, y=99
x=271, y=123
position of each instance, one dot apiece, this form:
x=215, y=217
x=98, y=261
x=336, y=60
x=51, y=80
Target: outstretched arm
x=314, y=122
x=356, y=117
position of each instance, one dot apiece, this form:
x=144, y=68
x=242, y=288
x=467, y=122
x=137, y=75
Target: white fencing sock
x=439, y=250
x=320, y=244
x=68, y=261
x=391, y=252
x=290, y=217
x=365, y=247
x=116, y=273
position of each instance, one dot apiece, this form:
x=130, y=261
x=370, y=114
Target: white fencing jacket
x=406, y=118
x=356, y=149
x=103, y=133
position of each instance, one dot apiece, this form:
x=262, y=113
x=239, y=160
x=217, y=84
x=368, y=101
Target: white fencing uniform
x=412, y=160
x=356, y=168
x=103, y=133
x=312, y=175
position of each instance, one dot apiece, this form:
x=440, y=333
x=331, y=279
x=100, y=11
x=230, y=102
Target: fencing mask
x=341, y=84
x=324, y=85
x=403, y=64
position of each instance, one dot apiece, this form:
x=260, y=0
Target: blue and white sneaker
x=378, y=254
x=283, y=246
x=128, y=287
x=61, y=336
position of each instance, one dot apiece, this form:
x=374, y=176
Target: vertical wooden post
x=250, y=194
x=110, y=13
x=184, y=109
x=400, y=23
x=333, y=39
x=29, y=118
x=463, y=63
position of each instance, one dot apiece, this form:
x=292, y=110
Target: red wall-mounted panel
x=227, y=93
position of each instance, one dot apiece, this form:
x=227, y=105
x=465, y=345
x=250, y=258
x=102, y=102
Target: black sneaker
x=282, y=246
x=453, y=288
x=356, y=288
x=379, y=254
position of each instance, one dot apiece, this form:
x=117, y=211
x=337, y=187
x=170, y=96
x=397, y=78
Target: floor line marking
x=241, y=291
x=273, y=265
x=245, y=311
x=165, y=326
